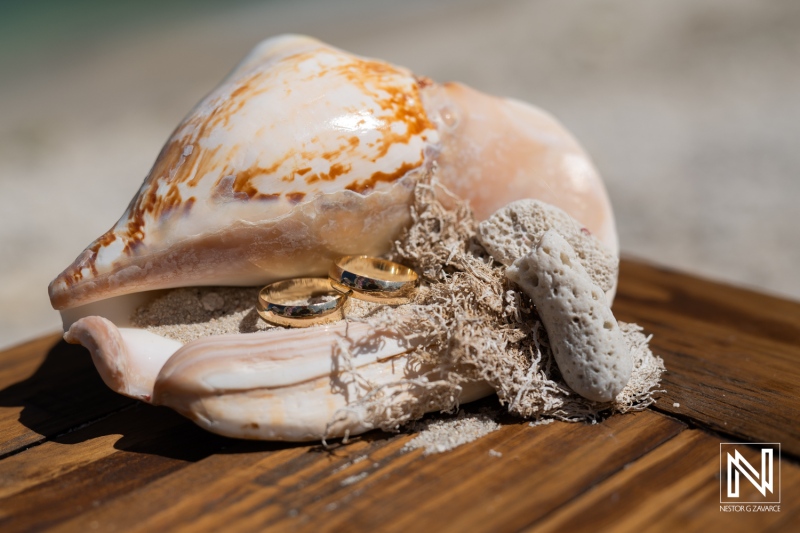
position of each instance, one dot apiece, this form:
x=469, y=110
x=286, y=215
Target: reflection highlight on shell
x=304, y=153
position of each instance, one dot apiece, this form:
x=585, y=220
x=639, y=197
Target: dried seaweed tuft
x=468, y=326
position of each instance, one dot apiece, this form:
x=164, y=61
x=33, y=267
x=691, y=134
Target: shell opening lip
x=255, y=240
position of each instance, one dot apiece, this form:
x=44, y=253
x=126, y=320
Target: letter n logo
x=743, y=469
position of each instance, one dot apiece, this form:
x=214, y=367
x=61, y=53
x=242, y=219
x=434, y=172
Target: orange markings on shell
x=185, y=161
x=175, y=166
x=378, y=177
x=238, y=184
x=295, y=197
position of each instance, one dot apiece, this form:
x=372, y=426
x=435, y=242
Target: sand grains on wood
x=439, y=435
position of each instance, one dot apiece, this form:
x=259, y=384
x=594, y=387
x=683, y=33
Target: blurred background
x=691, y=111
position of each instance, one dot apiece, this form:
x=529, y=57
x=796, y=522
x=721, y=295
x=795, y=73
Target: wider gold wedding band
x=373, y=279
x=286, y=303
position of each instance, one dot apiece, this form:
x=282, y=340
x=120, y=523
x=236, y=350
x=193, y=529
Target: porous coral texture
x=585, y=339
x=473, y=326
x=513, y=231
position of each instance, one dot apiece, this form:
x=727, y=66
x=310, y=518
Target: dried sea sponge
x=586, y=341
x=512, y=232
x=471, y=325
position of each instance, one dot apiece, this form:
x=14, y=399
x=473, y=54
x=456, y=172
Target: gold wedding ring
x=373, y=279
x=301, y=302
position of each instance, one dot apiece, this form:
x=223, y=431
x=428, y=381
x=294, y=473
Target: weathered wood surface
x=76, y=457
x=48, y=387
x=732, y=355
x=671, y=489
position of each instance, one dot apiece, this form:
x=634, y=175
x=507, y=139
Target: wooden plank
x=738, y=309
x=676, y=487
x=86, y=468
x=732, y=356
x=16, y=365
x=19, y=362
x=49, y=387
x=308, y=488
x=231, y=484
x=59, y=457
x=219, y=481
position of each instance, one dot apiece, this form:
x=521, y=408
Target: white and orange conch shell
x=303, y=153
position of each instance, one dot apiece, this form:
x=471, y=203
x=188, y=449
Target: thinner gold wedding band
x=291, y=302
x=373, y=279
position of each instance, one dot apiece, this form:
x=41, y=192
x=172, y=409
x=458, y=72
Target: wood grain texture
x=94, y=464
x=76, y=457
x=732, y=355
x=48, y=387
x=674, y=488
x=309, y=488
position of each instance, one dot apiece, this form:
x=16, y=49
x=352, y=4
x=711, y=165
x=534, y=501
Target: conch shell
x=302, y=154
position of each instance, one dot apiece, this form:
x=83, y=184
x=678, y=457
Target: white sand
x=437, y=435
x=190, y=313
